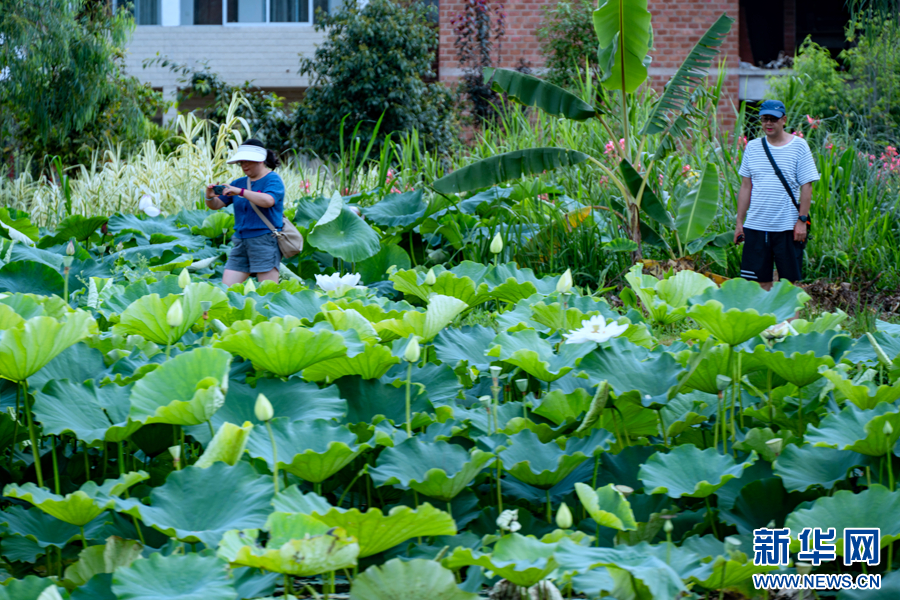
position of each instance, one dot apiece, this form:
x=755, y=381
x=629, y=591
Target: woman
x=255, y=246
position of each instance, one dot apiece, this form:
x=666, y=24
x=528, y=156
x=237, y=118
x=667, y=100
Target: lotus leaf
x=761, y=502
x=376, y=532
x=31, y=277
x=689, y=471
x=311, y=450
x=466, y=344
x=802, y=467
x=686, y=410
x=561, y=407
x=622, y=367
x=397, y=210
x=89, y=412
x=185, y=390
x=439, y=470
x=27, y=345
x=116, y=553
x=292, y=500
x=858, y=430
x=78, y=508
x=407, y=580
x=441, y=311
x=351, y=319
x=373, y=362
x=215, y=225
x=730, y=575
x=372, y=400
x=175, y=577
x=297, y=545
x=873, y=507
x=346, y=237
x=782, y=301
x=521, y=560
x=30, y=588
x=799, y=357
x=890, y=589
x=607, y=506
x=537, y=464
x=146, y=316
x=447, y=283
x=284, y=347
x=304, y=305
x=43, y=529
x=200, y=505
x=534, y=355
x=862, y=391
x=226, y=446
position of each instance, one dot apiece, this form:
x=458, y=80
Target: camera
x=218, y=190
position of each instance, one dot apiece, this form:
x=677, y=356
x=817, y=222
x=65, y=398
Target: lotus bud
x=120, y=246
x=563, y=516
x=249, y=287
x=184, y=278
x=263, y=408
x=624, y=490
x=565, y=282
x=668, y=527
x=803, y=568
x=70, y=249
x=413, y=352
x=497, y=244
x=732, y=544
x=887, y=430
x=431, y=278
x=775, y=445
x=521, y=385
x=175, y=451
x=175, y=315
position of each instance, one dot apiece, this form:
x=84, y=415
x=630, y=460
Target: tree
x=373, y=62
x=62, y=86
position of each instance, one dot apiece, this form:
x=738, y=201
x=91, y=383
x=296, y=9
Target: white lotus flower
x=147, y=206
x=339, y=285
x=779, y=331
x=509, y=520
x=595, y=329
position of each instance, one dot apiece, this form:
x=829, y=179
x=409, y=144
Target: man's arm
x=743, y=205
x=805, y=202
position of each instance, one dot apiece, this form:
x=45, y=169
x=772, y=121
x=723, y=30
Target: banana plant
x=624, y=36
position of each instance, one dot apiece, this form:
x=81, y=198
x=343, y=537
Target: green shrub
x=816, y=88
x=373, y=62
x=567, y=41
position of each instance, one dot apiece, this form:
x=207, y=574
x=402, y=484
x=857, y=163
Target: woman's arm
x=260, y=199
x=212, y=200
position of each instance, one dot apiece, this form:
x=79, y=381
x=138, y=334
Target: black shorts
x=763, y=249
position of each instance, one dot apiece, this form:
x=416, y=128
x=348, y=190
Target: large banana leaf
x=699, y=208
x=503, y=167
x=691, y=74
x=531, y=91
x=650, y=202
x=625, y=36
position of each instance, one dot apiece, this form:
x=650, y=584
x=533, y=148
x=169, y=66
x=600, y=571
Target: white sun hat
x=247, y=152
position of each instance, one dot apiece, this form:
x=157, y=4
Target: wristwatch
x=803, y=218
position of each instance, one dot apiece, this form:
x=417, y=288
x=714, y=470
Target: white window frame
x=268, y=22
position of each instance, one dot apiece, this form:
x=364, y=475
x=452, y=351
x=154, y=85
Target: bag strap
x=259, y=212
x=777, y=172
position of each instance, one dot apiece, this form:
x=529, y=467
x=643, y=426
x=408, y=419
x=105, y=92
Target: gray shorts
x=254, y=255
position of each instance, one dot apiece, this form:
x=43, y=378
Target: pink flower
x=604, y=180
x=813, y=123
x=829, y=146
x=685, y=170
x=799, y=134
x=743, y=141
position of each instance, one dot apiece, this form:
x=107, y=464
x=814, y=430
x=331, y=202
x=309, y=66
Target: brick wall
x=677, y=25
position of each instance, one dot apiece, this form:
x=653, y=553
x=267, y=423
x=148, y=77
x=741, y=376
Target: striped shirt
x=771, y=208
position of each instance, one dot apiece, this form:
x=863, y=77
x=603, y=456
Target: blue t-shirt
x=246, y=223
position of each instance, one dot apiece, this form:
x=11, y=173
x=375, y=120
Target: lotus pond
x=167, y=438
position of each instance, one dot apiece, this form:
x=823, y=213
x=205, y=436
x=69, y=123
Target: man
x=773, y=229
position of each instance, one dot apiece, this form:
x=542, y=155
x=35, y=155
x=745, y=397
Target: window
x=146, y=12
x=218, y=12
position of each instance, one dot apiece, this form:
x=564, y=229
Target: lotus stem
x=121, y=459
x=408, y=415
x=740, y=377
x=800, y=413
x=499, y=489
x=769, y=395
x=716, y=425
x=212, y=432
x=722, y=589
x=12, y=449
x=55, y=464
x=274, y=457
x=66, y=284
x=87, y=464
x=347, y=489
x=168, y=343
x=712, y=520
x=32, y=435
x=890, y=470
x=549, y=510
x=662, y=427
x=83, y=537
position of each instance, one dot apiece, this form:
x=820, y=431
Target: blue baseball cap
x=772, y=107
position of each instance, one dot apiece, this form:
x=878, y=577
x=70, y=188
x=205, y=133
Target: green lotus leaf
x=79, y=227
x=441, y=311
x=303, y=305
x=521, y=560
x=146, y=316
x=175, y=577
x=862, y=391
x=802, y=467
x=376, y=532
x=689, y=471
x=607, y=506
x=761, y=502
x=447, y=283
x=226, y=446
x=284, y=347
x=292, y=500
x=730, y=575
x=799, y=357
x=27, y=345
x=782, y=301
x=373, y=400
x=374, y=361
x=45, y=530
x=715, y=363
x=507, y=282
x=297, y=545
x=373, y=309
x=346, y=237
x=890, y=589
x=466, y=344
x=684, y=285
x=215, y=225
x=858, y=430
x=439, y=470
x=733, y=326
x=94, y=560
x=397, y=210
x=534, y=355
x=200, y=505
x=90, y=413
x=407, y=580
x=756, y=438
x=686, y=410
x=312, y=450
x=185, y=390
x=31, y=277
x=874, y=507
x=80, y=507
x=540, y=465
x=351, y=319
x=563, y=408
x=622, y=365
x=30, y=588
x=657, y=309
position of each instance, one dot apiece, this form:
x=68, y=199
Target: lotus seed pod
x=70, y=249
x=564, y=516
x=624, y=490
x=497, y=244
x=413, y=352
x=668, y=527
x=732, y=543
x=775, y=445
x=263, y=408
x=495, y=373
x=184, y=278
x=803, y=568
x=521, y=385
x=431, y=278
x=565, y=282
x=175, y=315
x=249, y=287
x=887, y=430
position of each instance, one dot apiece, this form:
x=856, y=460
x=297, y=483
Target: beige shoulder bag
x=290, y=242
